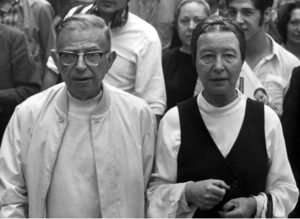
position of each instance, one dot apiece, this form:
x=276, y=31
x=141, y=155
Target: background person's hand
x=239, y=207
x=206, y=194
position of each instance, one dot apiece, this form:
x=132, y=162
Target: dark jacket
x=18, y=77
x=291, y=127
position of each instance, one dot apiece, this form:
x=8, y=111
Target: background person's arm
x=13, y=191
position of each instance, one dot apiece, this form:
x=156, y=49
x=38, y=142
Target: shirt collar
x=62, y=104
x=274, y=48
x=208, y=108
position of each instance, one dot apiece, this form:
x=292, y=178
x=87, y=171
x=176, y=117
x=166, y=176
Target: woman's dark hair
x=284, y=16
x=217, y=24
x=260, y=5
x=262, y=90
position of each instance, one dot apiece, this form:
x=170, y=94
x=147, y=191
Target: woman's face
x=261, y=97
x=293, y=27
x=189, y=16
x=218, y=63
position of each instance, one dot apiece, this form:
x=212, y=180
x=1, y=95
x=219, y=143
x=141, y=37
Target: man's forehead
x=242, y=3
x=79, y=33
x=82, y=37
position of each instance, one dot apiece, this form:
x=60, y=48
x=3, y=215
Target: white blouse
x=166, y=197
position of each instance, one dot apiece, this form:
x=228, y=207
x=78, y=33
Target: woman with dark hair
x=179, y=72
x=288, y=25
x=220, y=154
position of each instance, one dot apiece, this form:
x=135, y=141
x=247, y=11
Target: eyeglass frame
x=78, y=54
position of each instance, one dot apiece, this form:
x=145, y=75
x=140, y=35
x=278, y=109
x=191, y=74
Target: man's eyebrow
x=241, y=9
x=248, y=9
x=89, y=49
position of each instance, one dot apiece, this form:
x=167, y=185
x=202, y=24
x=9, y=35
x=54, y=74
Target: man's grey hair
x=84, y=22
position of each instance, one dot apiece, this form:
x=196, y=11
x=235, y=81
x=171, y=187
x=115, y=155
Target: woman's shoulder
x=169, y=52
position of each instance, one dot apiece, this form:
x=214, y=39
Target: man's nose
x=239, y=18
x=80, y=65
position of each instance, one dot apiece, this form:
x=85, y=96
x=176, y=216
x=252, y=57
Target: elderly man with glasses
x=137, y=68
x=81, y=148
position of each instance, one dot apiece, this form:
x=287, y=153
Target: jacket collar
x=62, y=104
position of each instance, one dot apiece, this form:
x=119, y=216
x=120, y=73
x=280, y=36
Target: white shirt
x=138, y=68
x=75, y=163
x=274, y=72
x=166, y=197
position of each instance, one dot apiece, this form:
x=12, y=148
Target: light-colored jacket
x=123, y=131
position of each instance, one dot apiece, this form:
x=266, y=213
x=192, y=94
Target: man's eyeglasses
x=90, y=58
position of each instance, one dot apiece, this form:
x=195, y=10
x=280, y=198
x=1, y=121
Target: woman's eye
x=198, y=20
x=207, y=58
x=184, y=22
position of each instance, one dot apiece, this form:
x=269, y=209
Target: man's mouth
x=81, y=79
x=218, y=79
x=106, y=3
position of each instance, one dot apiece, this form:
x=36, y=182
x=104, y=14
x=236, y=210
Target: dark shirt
x=180, y=76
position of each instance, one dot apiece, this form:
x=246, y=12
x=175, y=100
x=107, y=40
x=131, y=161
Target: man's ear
x=111, y=58
x=53, y=55
x=267, y=15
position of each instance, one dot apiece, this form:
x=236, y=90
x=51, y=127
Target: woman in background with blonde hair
x=179, y=72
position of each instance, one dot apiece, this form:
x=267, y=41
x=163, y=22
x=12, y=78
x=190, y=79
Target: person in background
x=222, y=7
x=61, y=8
x=271, y=27
x=179, y=71
x=213, y=4
x=165, y=20
x=220, y=154
x=260, y=94
x=145, y=9
x=280, y=3
x=271, y=63
x=60, y=155
x=18, y=78
x=291, y=128
x=138, y=68
x=35, y=19
x=288, y=25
